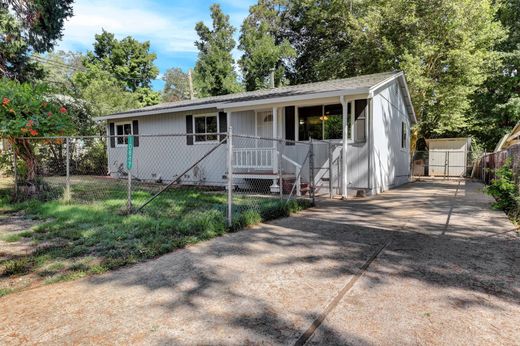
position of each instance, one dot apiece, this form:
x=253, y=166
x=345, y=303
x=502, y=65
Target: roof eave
x=408, y=99
x=232, y=105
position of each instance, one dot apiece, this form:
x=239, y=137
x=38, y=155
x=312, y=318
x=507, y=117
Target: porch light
x=324, y=118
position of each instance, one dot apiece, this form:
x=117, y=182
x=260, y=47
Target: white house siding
x=166, y=157
x=390, y=162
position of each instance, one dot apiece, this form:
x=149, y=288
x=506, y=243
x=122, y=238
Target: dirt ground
x=428, y=263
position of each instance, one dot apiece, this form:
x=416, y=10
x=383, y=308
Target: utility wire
x=57, y=64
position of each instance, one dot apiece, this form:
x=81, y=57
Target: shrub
x=504, y=189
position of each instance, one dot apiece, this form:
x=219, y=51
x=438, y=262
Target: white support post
x=275, y=135
x=275, y=187
x=344, y=176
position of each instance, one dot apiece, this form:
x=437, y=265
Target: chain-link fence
x=442, y=163
x=243, y=179
x=488, y=163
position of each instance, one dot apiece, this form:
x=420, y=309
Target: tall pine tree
x=214, y=70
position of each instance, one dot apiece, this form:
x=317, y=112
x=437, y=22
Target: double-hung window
x=204, y=126
x=123, y=130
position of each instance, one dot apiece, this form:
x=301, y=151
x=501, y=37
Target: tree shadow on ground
x=267, y=285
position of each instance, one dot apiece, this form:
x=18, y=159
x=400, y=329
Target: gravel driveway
x=428, y=263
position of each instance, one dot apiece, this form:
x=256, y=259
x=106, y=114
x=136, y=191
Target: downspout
x=344, y=177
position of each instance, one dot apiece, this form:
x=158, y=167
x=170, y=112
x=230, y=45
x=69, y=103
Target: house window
x=206, y=124
x=320, y=122
x=360, y=119
x=123, y=130
x=404, y=135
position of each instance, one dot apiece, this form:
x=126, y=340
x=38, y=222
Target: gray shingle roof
x=353, y=83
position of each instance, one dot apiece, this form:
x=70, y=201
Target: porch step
x=288, y=186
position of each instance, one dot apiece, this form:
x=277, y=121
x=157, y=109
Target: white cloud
x=172, y=31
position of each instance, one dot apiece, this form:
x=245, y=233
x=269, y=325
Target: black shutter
x=222, y=127
x=112, y=131
x=135, y=132
x=189, y=129
x=290, y=130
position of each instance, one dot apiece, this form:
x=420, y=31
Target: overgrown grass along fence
x=88, y=235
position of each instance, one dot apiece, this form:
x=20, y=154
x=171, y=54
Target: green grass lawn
x=91, y=233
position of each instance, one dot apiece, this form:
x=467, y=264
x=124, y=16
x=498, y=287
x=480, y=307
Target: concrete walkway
x=428, y=263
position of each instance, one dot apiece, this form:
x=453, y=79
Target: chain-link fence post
x=330, y=170
x=129, y=164
x=67, y=162
x=311, y=171
x=15, y=172
x=279, y=146
x=230, y=176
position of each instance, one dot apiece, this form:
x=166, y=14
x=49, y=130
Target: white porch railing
x=253, y=158
x=263, y=159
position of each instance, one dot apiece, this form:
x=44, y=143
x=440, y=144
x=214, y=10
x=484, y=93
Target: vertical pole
x=344, y=179
x=129, y=193
x=230, y=176
x=190, y=82
x=15, y=172
x=275, y=135
x=330, y=170
x=67, y=179
x=280, y=174
x=311, y=171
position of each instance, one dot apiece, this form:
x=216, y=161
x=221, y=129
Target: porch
x=278, y=143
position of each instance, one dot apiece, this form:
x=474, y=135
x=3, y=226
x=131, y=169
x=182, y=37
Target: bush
x=503, y=188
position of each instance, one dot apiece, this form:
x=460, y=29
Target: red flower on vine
x=49, y=114
x=63, y=110
x=34, y=132
x=30, y=123
x=5, y=101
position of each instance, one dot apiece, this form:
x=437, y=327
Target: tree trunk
x=25, y=151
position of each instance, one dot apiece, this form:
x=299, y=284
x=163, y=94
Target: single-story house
x=366, y=119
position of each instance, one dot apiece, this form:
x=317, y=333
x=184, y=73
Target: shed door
x=450, y=163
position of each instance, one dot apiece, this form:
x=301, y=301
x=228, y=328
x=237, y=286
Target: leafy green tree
x=264, y=47
x=444, y=47
x=214, y=70
x=176, y=85
x=103, y=93
x=321, y=32
x=27, y=111
x=129, y=61
x=496, y=104
x=59, y=68
x=26, y=27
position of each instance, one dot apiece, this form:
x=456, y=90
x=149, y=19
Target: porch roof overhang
x=363, y=86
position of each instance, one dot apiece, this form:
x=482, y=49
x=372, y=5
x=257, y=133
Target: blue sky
x=168, y=25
